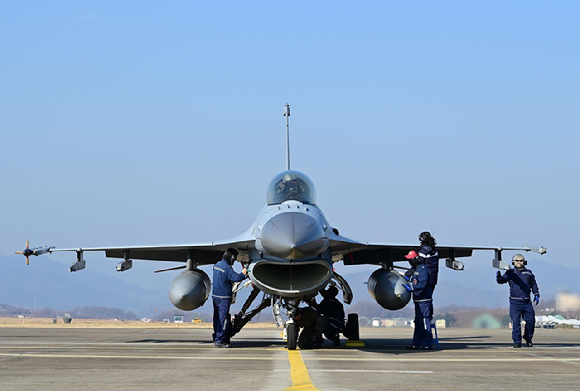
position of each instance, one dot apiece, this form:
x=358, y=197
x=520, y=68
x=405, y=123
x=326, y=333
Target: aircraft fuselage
x=291, y=256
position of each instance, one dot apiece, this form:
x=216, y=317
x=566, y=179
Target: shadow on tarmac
x=458, y=343
x=236, y=343
x=376, y=345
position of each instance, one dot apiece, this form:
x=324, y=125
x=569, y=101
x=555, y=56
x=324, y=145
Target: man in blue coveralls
x=223, y=277
x=418, y=276
x=521, y=281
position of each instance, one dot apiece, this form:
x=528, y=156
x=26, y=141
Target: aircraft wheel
x=352, y=331
x=291, y=336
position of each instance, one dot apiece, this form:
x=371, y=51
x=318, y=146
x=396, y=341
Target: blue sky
x=147, y=123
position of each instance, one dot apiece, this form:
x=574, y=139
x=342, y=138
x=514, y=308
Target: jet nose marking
x=293, y=235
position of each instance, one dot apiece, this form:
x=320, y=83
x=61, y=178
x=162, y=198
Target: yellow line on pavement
x=299, y=373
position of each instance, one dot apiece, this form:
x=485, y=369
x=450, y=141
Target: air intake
x=291, y=279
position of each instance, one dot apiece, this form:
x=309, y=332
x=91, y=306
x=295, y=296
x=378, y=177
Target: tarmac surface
x=183, y=358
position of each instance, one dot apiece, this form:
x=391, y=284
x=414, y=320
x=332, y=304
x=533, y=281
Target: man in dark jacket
x=521, y=282
x=223, y=277
x=333, y=311
x=422, y=298
x=429, y=256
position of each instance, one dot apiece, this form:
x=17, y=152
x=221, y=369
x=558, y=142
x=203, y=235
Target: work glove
x=537, y=299
x=407, y=278
x=498, y=276
x=408, y=288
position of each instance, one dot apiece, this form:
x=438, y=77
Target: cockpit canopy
x=291, y=185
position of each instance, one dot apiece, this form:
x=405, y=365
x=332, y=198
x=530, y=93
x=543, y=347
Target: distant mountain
x=48, y=283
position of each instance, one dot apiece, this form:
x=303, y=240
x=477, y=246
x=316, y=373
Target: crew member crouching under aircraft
x=333, y=311
x=313, y=326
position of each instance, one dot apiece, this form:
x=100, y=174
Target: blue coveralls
x=223, y=277
x=430, y=257
x=521, y=282
x=423, y=299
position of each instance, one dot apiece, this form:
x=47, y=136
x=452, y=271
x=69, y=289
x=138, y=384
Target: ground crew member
x=333, y=311
x=420, y=285
x=313, y=326
x=223, y=277
x=521, y=281
x=429, y=256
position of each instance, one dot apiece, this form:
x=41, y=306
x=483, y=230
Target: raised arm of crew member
x=429, y=256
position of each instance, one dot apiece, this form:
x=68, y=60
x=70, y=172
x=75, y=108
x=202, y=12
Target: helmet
x=519, y=258
x=230, y=255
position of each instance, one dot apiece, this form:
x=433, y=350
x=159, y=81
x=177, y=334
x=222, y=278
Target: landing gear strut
x=241, y=318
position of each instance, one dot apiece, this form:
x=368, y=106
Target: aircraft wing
x=358, y=253
x=202, y=253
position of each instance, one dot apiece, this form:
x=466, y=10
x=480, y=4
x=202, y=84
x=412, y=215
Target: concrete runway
x=57, y=358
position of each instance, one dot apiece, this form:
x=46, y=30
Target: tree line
x=89, y=312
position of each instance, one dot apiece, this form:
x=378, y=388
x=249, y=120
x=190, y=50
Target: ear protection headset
x=426, y=238
x=231, y=255
x=520, y=255
x=414, y=261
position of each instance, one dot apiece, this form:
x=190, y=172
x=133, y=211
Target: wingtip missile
x=27, y=252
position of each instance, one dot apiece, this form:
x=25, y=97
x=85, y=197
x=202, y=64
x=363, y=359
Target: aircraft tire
x=352, y=331
x=291, y=336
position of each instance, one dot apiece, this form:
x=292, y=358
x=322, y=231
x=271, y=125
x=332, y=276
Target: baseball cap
x=412, y=254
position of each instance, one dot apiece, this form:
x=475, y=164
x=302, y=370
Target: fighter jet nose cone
x=293, y=235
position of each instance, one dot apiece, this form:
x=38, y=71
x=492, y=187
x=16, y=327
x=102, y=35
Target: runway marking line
x=469, y=359
x=299, y=373
x=362, y=371
x=296, y=362
x=43, y=355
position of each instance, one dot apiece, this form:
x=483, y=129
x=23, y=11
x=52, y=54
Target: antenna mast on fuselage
x=287, y=115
